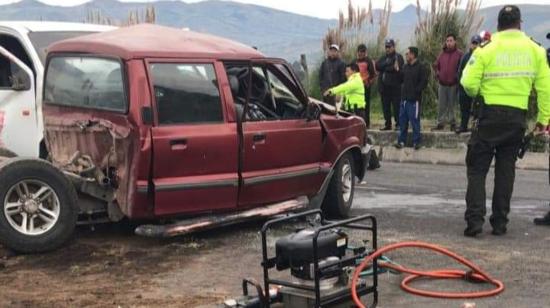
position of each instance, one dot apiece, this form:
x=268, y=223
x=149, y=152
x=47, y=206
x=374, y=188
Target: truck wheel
x=7, y=153
x=339, y=197
x=39, y=206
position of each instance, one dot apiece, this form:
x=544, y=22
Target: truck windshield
x=41, y=40
x=85, y=82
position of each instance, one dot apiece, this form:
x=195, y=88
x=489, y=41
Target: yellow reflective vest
x=353, y=90
x=504, y=70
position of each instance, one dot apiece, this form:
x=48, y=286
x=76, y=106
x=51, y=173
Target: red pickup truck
x=149, y=122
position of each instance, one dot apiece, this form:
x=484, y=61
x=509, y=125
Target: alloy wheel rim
x=347, y=182
x=31, y=207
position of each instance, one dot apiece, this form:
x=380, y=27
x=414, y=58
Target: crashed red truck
x=149, y=122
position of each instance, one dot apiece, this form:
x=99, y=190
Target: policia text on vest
x=503, y=72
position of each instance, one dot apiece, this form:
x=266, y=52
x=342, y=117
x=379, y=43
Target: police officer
x=502, y=71
x=545, y=220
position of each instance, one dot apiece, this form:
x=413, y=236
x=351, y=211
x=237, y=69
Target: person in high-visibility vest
x=545, y=220
x=353, y=91
x=502, y=72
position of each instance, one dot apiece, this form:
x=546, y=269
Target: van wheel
x=339, y=197
x=39, y=206
x=7, y=153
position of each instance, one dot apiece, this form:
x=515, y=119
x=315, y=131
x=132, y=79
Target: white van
x=22, y=53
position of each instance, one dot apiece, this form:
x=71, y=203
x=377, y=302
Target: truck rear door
x=195, y=147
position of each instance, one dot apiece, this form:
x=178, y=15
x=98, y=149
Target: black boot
x=543, y=221
x=498, y=231
x=472, y=230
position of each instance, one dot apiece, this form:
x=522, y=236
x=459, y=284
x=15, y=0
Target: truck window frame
x=184, y=61
x=123, y=70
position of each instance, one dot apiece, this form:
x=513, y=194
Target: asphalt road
x=111, y=267
x=426, y=203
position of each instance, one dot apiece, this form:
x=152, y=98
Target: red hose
x=476, y=274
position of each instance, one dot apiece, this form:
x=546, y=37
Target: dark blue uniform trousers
x=409, y=113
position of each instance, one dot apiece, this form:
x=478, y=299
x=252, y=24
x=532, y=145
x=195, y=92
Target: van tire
x=7, y=153
x=58, y=204
x=339, y=197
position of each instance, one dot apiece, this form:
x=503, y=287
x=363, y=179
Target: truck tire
x=7, y=153
x=339, y=197
x=39, y=207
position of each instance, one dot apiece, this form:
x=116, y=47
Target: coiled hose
x=476, y=274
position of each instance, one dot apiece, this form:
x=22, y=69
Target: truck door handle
x=178, y=144
x=259, y=138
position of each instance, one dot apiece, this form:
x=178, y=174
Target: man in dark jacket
x=332, y=73
x=445, y=68
x=368, y=74
x=464, y=100
x=389, y=83
x=415, y=80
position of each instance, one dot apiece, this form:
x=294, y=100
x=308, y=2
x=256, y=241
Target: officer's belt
x=490, y=109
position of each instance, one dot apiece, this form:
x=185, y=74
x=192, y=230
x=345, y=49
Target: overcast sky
x=318, y=8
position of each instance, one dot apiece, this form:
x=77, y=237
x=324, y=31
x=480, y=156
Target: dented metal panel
x=95, y=148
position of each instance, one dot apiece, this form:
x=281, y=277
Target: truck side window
x=5, y=73
x=186, y=93
x=8, y=69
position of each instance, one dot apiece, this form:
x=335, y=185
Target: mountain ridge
x=275, y=32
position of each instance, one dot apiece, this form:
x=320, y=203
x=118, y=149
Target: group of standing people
x=400, y=84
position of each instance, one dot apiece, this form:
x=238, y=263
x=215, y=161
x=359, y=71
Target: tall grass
x=433, y=25
x=357, y=25
x=148, y=15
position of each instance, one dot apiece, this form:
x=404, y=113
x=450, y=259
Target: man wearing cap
x=332, y=73
x=503, y=72
x=389, y=83
x=464, y=100
x=368, y=74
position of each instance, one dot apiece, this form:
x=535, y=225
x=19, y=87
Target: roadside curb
x=456, y=157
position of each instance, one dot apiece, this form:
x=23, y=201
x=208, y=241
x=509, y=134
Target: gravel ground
x=111, y=267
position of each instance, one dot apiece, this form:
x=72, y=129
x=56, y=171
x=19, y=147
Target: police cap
x=508, y=16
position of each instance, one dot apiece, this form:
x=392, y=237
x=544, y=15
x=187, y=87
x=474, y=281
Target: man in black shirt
x=332, y=73
x=415, y=80
x=464, y=100
x=389, y=82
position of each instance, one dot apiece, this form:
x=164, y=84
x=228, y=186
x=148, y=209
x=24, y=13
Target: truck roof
x=52, y=26
x=154, y=41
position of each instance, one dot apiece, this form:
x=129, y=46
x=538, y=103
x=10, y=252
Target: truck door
x=18, y=114
x=195, y=148
x=281, y=148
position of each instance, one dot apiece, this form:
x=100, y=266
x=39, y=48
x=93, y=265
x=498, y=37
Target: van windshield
x=41, y=40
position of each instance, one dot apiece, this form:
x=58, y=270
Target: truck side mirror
x=313, y=112
x=20, y=82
